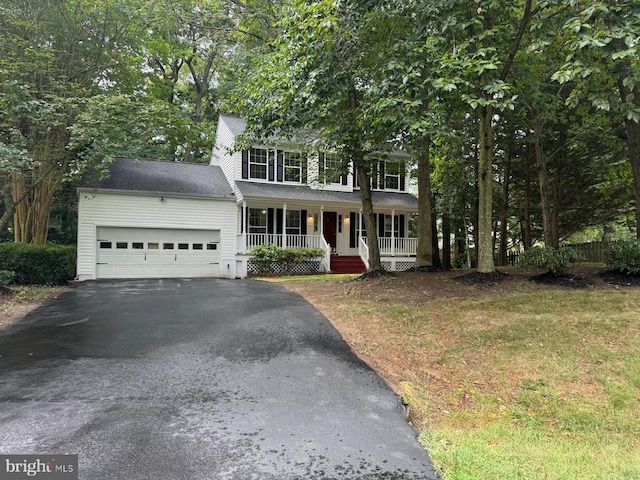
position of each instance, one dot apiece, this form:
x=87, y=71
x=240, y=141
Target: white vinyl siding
x=105, y=209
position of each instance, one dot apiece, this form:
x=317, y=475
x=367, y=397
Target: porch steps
x=347, y=264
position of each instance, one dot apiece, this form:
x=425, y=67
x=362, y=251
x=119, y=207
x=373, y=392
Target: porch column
x=244, y=226
x=359, y=227
x=393, y=232
x=322, y=221
x=284, y=225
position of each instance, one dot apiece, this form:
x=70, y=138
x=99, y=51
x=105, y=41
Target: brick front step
x=347, y=264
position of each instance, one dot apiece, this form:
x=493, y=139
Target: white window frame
x=392, y=176
x=253, y=162
x=292, y=166
x=387, y=226
x=293, y=217
x=256, y=226
x=332, y=169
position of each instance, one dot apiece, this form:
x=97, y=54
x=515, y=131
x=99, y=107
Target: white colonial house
x=168, y=219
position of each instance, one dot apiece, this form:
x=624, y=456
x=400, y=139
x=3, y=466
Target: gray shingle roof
x=292, y=192
x=164, y=177
x=235, y=124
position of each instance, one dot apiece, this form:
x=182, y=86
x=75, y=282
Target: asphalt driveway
x=198, y=379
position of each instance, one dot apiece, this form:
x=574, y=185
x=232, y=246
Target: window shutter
x=381, y=225
x=343, y=179
x=403, y=173
x=303, y=222
x=381, y=169
x=303, y=168
x=271, y=167
x=270, y=220
x=355, y=177
x=245, y=164
x=279, y=214
x=374, y=176
x=280, y=166
x=322, y=168
x=352, y=230
x=402, y=225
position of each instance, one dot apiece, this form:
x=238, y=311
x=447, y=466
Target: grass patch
x=534, y=383
x=23, y=298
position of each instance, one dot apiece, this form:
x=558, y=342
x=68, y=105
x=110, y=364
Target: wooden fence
x=595, y=252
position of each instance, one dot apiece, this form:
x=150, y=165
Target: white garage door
x=157, y=253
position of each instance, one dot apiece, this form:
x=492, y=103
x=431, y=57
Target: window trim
x=257, y=213
x=293, y=230
x=292, y=156
x=253, y=155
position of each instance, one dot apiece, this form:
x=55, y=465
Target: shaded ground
x=16, y=302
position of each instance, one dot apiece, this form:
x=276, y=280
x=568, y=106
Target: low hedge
x=38, y=264
x=625, y=257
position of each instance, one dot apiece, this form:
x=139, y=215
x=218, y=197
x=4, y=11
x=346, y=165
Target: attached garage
x=157, y=220
x=157, y=253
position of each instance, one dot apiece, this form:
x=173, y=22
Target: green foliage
x=39, y=264
x=266, y=256
x=6, y=277
x=625, y=257
x=555, y=261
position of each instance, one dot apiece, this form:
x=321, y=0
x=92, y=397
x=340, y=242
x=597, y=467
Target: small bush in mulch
x=620, y=278
x=570, y=281
x=477, y=278
x=375, y=274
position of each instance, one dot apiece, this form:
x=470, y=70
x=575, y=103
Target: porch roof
x=268, y=191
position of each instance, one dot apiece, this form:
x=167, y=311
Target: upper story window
x=332, y=168
x=392, y=172
x=292, y=164
x=258, y=160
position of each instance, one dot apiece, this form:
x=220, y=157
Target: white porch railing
x=363, y=251
x=404, y=246
x=325, y=264
x=246, y=241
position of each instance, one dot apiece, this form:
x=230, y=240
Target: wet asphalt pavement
x=198, y=379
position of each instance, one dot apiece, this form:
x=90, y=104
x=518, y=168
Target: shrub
x=6, y=277
x=265, y=256
x=555, y=261
x=39, y=264
x=625, y=257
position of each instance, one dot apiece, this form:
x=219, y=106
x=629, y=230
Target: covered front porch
x=336, y=230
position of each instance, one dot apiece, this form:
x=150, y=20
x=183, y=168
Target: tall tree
x=603, y=36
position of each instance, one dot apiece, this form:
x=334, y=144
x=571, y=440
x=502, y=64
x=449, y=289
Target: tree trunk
x=504, y=213
x=367, y=213
x=633, y=144
x=484, y=248
x=446, y=242
x=434, y=238
x=550, y=239
x=424, y=253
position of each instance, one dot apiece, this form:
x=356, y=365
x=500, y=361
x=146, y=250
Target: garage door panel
x=157, y=253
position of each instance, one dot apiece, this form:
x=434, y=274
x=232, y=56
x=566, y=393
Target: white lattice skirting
x=397, y=265
x=311, y=266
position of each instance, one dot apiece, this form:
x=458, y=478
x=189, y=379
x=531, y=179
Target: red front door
x=329, y=220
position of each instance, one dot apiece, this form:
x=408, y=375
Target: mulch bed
x=616, y=277
x=477, y=278
x=570, y=281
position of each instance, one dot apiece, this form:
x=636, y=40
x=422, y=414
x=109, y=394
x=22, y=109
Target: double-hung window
x=257, y=220
x=332, y=168
x=392, y=171
x=293, y=222
x=388, y=227
x=258, y=160
x=292, y=163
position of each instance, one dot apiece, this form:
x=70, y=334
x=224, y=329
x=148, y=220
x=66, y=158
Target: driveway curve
x=198, y=379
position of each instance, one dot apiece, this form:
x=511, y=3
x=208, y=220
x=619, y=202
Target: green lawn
x=528, y=384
